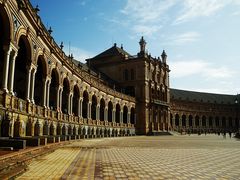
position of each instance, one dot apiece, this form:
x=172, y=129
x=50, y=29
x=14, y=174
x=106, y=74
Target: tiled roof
x=113, y=51
x=202, y=97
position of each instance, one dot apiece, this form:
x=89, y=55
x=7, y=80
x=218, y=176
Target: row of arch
x=203, y=121
x=36, y=82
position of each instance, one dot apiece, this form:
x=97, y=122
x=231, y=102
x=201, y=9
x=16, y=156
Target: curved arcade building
x=45, y=93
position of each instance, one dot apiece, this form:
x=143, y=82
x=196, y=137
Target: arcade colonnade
x=44, y=92
x=203, y=123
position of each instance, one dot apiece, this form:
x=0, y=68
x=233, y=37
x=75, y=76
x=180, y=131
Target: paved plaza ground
x=141, y=157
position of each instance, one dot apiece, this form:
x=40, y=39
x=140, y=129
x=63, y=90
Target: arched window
x=85, y=104
x=94, y=107
x=118, y=113
x=54, y=89
x=110, y=109
x=204, y=121
x=230, y=122
x=21, y=73
x=65, y=96
x=183, y=120
x=125, y=114
x=217, y=121
x=197, y=121
x=224, y=122
x=177, y=120
x=102, y=109
x=210, y=121
x=76, y=96
x=190, y=120
x=132, y=118
x=40, y=77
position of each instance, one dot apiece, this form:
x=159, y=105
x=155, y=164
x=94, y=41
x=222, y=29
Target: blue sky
x=201, y=37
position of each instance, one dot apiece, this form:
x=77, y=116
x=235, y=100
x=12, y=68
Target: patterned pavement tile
x=169, y=157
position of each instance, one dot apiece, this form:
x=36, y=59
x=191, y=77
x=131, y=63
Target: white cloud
x=146, y=30
x=79, y=54
x=200, y=8
x=184, y=38
x=146, y=16
x=201, y=69
x=145, y=11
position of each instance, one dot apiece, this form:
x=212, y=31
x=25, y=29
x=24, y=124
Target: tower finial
x=164, y=56
x=142, y=44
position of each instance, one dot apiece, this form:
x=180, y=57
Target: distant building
x=143, y=77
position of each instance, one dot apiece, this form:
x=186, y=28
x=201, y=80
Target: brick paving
x=163, y=157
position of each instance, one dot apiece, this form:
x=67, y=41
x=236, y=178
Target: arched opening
x=125, y=114
x=230, y=123
x=45, y=128
x=53, y=94
x=69, y=130
x=236, y=123
x=5, y=126
x=217, y=121
x=23, y=60
x=94, y=107
x=204, y=121
x=190, y=120
x=184, y=120
x=4, y=38
x=125, y=75
x=210, y=121
x=110, y=109
x=85, y=104
x=132, y=116
x=59, y=129
x=52, y=129
x=37, y=128
x=118, y=109
x=64, y=130
x=76, y=96
x=177, y=120
x=102, y=109
x=40, y=77
x=65, y=96
x=224, y=124
x=197, y=121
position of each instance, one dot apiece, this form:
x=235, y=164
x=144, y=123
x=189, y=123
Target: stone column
x=69, y=103
x=98, y=112
x=173, y=122
x=113, y=115
x=48, y=92
x=187, y=121
x=32, y=85
x=89, y=110
x=45, y=82
x=121, y=117
x=105, y=114
x=128, y=118
x=7, y=52
x=80, y=107
x=60, y=99
x=29, y=69
x=12, y=71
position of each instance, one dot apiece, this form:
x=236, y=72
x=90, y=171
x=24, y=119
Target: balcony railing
x=20, y=105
